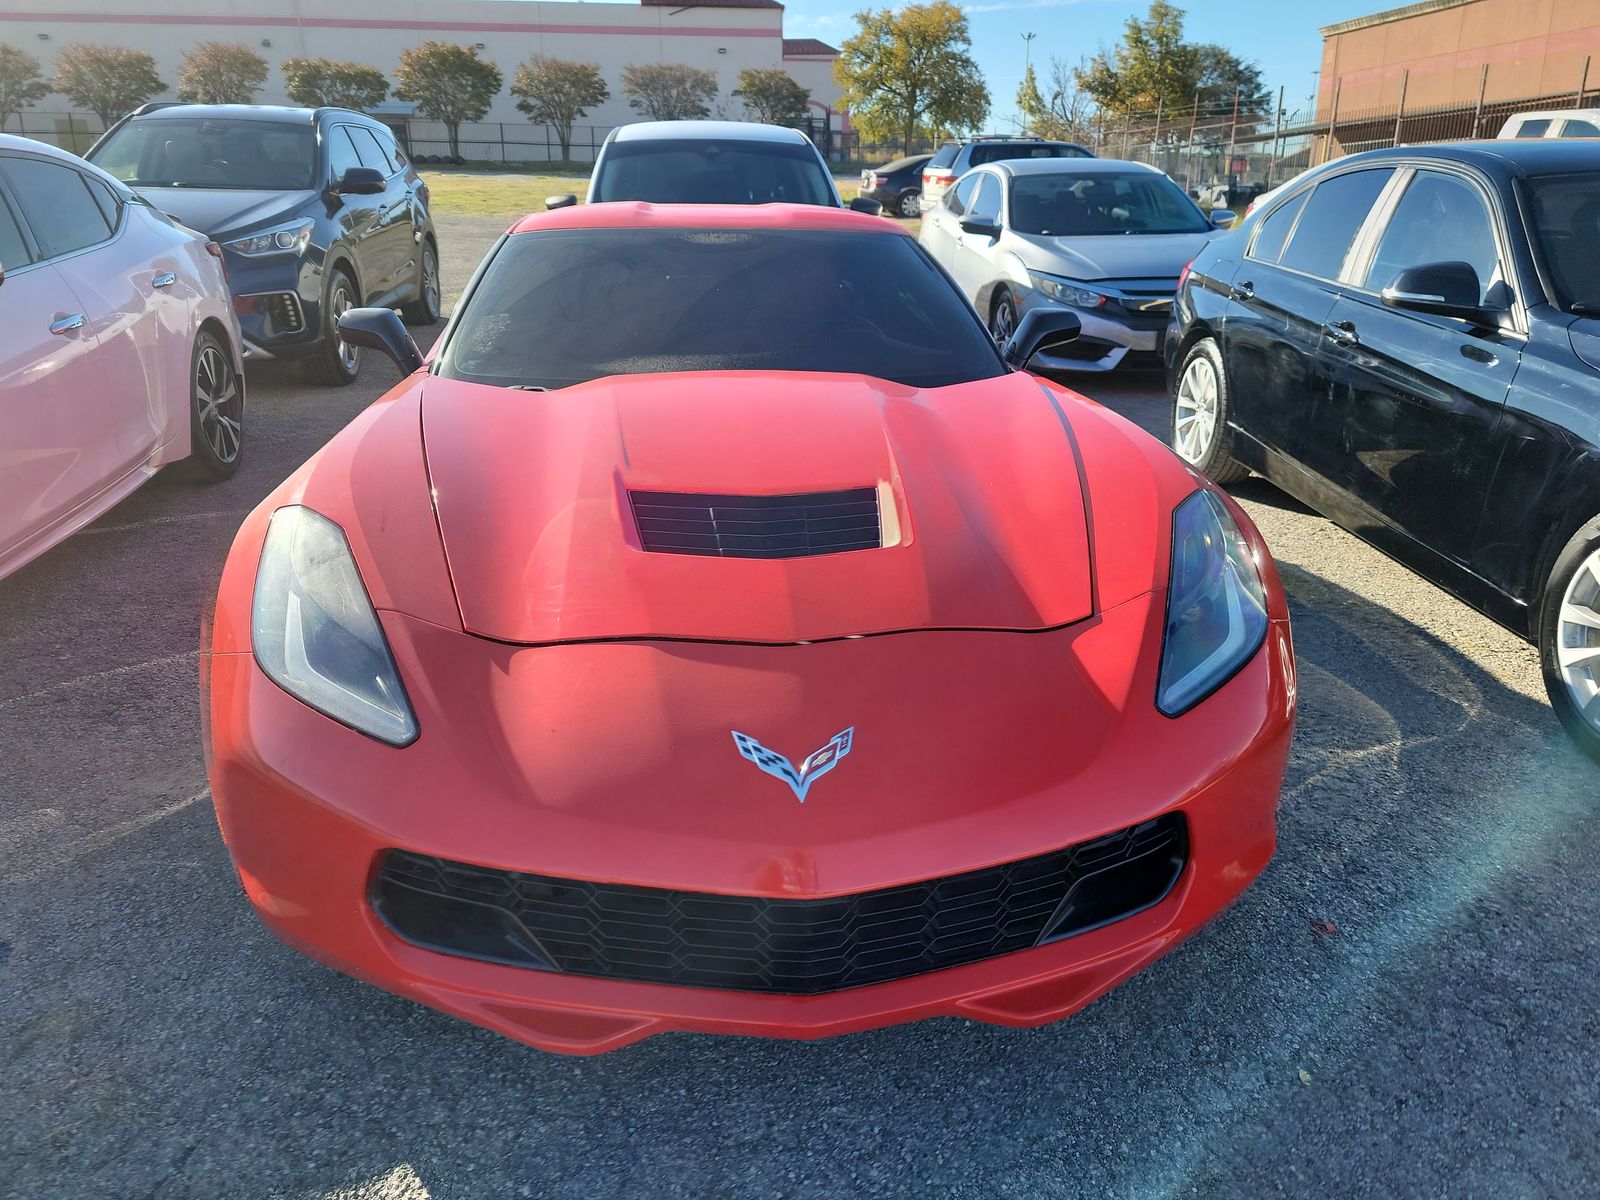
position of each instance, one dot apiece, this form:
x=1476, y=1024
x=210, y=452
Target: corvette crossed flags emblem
x=800, y=778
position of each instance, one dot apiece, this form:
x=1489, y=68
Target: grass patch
x=510, y=194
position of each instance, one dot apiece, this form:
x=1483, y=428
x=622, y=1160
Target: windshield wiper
x=1583, y=309
x=527, y=387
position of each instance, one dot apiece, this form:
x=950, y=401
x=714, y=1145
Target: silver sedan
x=1106, y=239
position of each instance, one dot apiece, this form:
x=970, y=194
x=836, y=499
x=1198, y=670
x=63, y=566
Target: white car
x=120, y=351
x=1555, y=123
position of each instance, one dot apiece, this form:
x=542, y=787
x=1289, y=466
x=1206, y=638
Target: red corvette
x=718, y=633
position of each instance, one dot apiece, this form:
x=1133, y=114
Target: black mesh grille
x=758, y=526
x=748, y=943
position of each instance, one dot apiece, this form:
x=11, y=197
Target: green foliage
x=558, y=92
x=911, y=68
x=1029, y=101
x=449, y=84
x=772, y=95
x=316, y=82
x=670, y=91
x=220, y=73
x=20, y=81
x=107, y=80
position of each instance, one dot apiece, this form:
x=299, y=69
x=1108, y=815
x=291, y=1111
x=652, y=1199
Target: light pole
x=1027, y=65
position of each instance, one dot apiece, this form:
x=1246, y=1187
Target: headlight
x=1066, y=291
x=1216, y=605
x=315, y=633
x=285, y=239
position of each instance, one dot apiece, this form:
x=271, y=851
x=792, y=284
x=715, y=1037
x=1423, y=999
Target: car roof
x=10, y=141
x=749, y=131
x=233, y=112
x=1518, y=156
x=639, y=214
x=1065, y=166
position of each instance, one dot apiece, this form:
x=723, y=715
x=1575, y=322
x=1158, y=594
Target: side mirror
x=1444, y=289
x=1223, y=218
x=380, y=329
x=1042, y=330
x=564, y=200
x=863, y=204
x=361, y=181
x=982, y=226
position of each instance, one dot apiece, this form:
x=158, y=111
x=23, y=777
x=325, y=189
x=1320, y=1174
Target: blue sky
x=1280, y=35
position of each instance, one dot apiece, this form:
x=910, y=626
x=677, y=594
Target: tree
x=772, y=96
x=449, y=84
x=107, y=80
x=670, y=91
x=20, y=82
x=1153, y=68
x=909, y=68
x=1069, y=112
x=220, y=73
x=1030, y=104
x=558, y=92
x=1220, y=74
x=316, y=82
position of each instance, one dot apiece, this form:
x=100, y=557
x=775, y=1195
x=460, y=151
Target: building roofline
x=1420, y=8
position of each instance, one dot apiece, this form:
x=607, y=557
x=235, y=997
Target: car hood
x=1126, y=256
x=978, y=486
x=226, y=211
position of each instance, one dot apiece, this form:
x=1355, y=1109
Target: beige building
x=724, y=35
x=1440, y=53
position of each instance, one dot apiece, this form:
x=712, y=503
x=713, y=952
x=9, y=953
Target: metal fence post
x=1333, y=120
x=1477, y=113
x=1583, y=82
x=1399, y=113
x=1277, y=133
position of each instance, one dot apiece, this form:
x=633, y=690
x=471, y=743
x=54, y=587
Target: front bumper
x=503, y=776
x=1105, y=340
x=278, y=300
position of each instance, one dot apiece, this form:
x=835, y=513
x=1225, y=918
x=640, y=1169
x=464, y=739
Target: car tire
x=1200, y=415
x=1002, y=317
x=910, y=204
x=424, y=310
x=335, y=364
x=216, y=410
x=1568, y=630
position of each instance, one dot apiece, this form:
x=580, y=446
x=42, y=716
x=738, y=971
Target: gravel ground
x=1440, y=1041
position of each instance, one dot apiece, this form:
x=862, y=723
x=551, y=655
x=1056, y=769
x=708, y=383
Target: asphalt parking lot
x=1404, y=1005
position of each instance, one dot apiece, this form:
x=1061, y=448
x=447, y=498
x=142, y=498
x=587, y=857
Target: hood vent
x=758, y=526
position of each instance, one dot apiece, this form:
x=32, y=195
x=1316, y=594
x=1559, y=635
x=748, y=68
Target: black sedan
x=897, y=185
x=1409, y=342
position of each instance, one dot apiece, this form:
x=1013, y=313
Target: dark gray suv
x=955, y=159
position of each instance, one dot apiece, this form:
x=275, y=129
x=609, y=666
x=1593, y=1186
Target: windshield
x=210, y=153
x=695, y=171
x=560, y=308
x=1566, y=225
x=1069, y=205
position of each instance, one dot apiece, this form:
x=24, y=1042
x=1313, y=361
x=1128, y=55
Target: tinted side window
x=987, y=202
x=946, y=156
x=1275, y=229
x=368, y=150
x=1440, y=219
x=341, y=154
x=958, y=197
x=1337, y=209
x=1532, y=128
x=391, y=147
x=13, y=253
x=110, y=203
x=1583, y=129
x=57, y=205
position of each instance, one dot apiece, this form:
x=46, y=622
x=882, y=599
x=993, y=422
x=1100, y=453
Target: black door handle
x=1478, y=354
x=1242, y=292
x=1342, y=332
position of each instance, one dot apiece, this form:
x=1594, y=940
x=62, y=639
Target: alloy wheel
x=1578, y=639
x=430, y=280
x=338, y=304
x=1196, y=418
x=911, y=204
x=1004, y=322
x=218, y=401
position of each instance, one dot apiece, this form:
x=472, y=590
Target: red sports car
x=719, y=633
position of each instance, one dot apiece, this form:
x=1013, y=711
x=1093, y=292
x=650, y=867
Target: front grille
x=757, y=944
x=757, y=526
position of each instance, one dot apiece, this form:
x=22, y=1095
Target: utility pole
x=1277, y=135
x=1027, y=65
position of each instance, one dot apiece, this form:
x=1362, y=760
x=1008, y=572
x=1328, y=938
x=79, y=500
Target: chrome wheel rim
x=218, y=403
x=1004, y=322
x=1578, y=639
x=338, y=305
x=911, y=205
x=430, y=281
x=1195, y=419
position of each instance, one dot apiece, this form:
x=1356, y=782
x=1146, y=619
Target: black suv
x=316, y=210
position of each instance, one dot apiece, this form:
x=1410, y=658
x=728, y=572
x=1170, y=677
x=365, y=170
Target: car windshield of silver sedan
x=1068, y=205
x=712, y=172
x=1566, y=224
x=562, y=307
x=210, y=153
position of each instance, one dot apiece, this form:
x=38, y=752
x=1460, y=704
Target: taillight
x=944, y=177
x=1183, y=275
